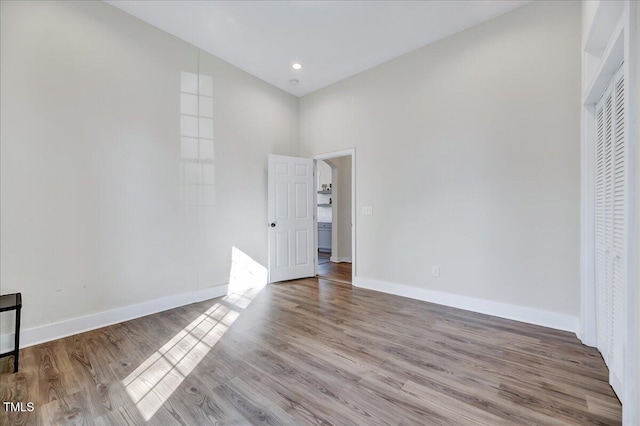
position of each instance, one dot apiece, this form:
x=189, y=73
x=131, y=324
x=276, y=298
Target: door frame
x=329, y=156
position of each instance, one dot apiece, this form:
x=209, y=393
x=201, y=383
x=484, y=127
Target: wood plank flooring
x=340, y=272
x=312, y=352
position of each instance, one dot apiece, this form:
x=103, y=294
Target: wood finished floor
x=340, y=272
x=313, y=352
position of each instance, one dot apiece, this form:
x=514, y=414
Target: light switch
x=367, y=210
x=435, y=271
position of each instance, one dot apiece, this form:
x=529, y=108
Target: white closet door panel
x=608, y=223
x=611, y=227
x=619, y=230
x=600, y=244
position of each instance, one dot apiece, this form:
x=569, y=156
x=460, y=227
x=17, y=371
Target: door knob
x=272, y=224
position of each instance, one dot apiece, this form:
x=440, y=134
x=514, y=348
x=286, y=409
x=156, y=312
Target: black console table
x=13, y=302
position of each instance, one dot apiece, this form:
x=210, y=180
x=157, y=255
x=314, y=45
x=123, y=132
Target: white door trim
x=329, y=156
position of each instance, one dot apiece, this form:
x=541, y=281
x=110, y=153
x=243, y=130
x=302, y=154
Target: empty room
x=320, y=212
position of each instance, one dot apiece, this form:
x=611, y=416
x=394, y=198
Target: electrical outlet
x=367, y=210
x=435, y=271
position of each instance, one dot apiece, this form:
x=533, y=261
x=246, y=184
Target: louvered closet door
x=600, y=238
x=619, y=228
x=611, y=227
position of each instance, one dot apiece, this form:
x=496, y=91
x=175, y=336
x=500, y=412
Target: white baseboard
x=340, y=259
x=503, y=310
x=46, y=333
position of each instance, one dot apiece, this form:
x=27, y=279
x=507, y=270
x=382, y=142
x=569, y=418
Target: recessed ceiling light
x=296, y=66
x=294, y=81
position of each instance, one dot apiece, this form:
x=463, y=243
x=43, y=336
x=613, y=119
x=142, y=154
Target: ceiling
x=331, y=39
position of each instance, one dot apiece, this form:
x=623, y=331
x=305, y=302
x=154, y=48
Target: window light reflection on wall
x=197, y=171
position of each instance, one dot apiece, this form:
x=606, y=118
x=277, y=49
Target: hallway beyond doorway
x=340, y=272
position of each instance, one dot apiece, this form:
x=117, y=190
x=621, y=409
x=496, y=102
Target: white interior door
x=611, y=248
x=291, y=218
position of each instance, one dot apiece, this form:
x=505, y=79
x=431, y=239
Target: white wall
x=479, y=138
x=589, y=8
x=341, y=241
x=324, y=174
x=95, y=213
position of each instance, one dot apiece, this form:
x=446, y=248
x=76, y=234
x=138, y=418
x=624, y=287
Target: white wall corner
x=58, y=330
x=503, y=310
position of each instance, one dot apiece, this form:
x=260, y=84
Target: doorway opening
x=335, y=214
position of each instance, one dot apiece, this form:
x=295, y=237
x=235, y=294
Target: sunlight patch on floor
x=155, y=380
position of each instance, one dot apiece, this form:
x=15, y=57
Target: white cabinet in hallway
x=324, y=236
